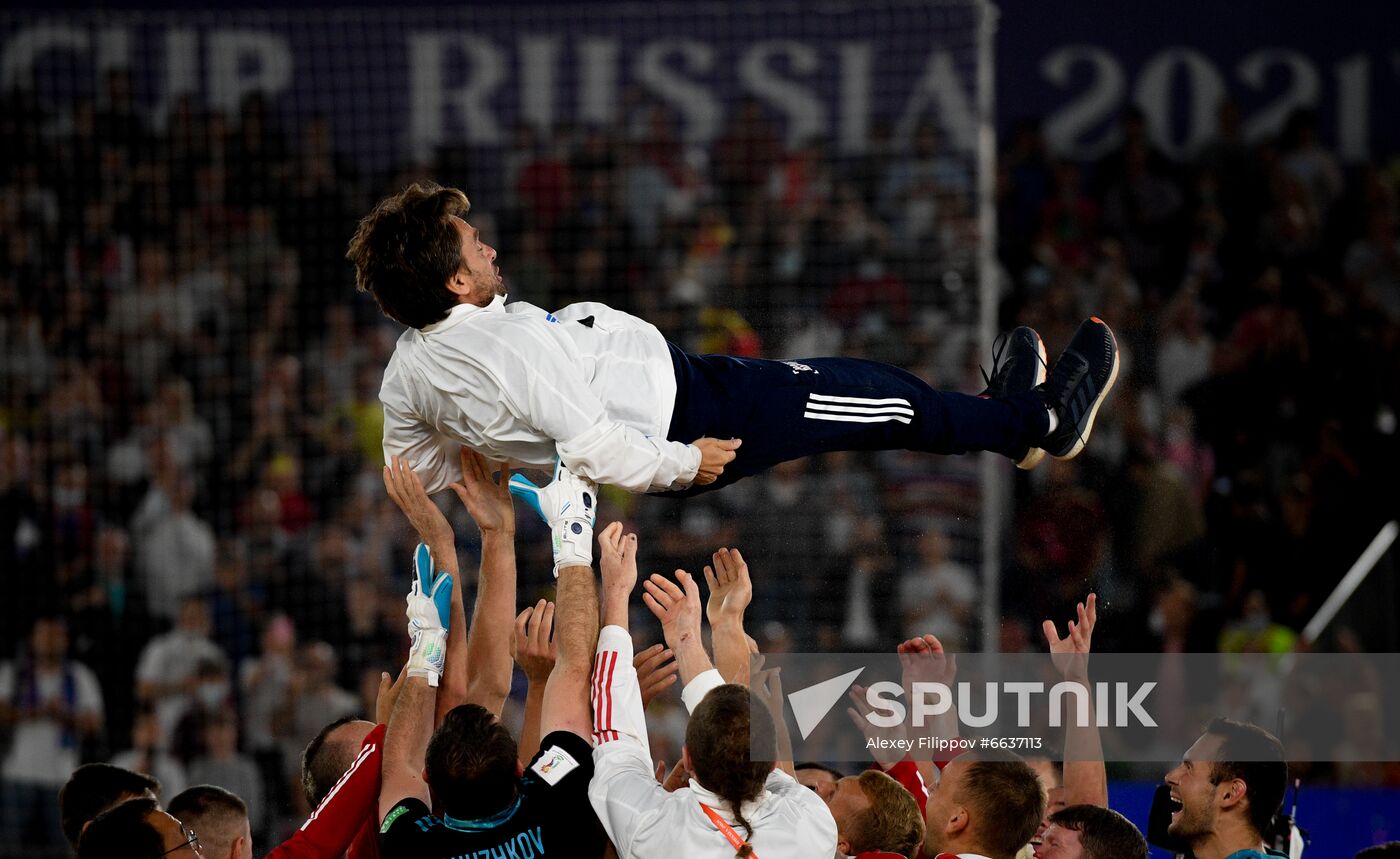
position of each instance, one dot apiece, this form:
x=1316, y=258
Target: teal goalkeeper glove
x=569, y=507
x=429, y=616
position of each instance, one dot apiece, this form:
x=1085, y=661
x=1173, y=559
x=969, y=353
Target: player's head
x=1233, y=776
x=819, y=778
x=138, y=829
x=471, y=764
x=874, y=812
x=1090, y=832
x=731, y=746
x=94, y=788
x=220, y=818
x=419, y=258
x=1388, y=850
x=329, y=754
x=987, y=802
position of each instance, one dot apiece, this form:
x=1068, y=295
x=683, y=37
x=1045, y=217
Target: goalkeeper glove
x=569, y=506
x=429, y=615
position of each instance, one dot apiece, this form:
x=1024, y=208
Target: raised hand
x=730, y=588
x=656, y=672
x=617, y=558
x=429, y=616
x=922, y=660
x=886, y=744
x=1071, y=653
x=488, y=501
x=532, y=647
x=422, y=514
x=676, y=606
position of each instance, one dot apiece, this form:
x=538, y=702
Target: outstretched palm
x=1071, y=653
x=730, y=587
x=488, y=501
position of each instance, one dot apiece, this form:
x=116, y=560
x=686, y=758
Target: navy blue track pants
x=786, y=410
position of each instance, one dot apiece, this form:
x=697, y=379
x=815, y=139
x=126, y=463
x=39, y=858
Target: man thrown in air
x=604, y=394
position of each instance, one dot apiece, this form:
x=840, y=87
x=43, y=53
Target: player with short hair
x=1227, y=789
x=220, y=817
x=987, y=803
x=93, y=789
x=1090, y=832
x=876, y=817
x=602, y=392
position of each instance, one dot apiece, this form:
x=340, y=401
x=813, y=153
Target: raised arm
x=677, y=606
x=423, y=515
x=488, y=641
x=730, y=593
x=1086, y=779
x=411, y=725
x=535, y=653
x=624, y=788
x=569, y=506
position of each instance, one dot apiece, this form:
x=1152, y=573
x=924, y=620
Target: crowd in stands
x=190, y=456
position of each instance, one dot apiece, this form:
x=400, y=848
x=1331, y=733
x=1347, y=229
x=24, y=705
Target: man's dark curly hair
x=406, y=250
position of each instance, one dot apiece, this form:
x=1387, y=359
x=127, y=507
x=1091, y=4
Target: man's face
x=484, y=280
x=1192, y=789
x=821, y=781
x=943, y=804
x=846, y=801
x=1059, y=843
x=173, y=837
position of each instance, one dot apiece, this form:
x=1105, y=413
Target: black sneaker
x=1079, y=383
x=1023, y=369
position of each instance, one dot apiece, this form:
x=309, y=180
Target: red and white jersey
x=342, y=817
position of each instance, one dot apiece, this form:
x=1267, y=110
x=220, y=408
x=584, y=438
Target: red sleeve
x=906, y=772
x=351, y=805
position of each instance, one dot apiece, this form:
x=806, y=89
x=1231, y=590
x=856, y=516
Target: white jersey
x=644, y=821
x=592, y=385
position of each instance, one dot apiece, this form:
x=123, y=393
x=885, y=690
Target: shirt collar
x=460, y=312
x=721, y=805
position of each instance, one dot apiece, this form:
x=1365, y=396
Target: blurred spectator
x=50, y=706
x=221, y=764
x=313, y=700
x=146, y=755
x=939, y=595
x=167, y=671
x=174, y=547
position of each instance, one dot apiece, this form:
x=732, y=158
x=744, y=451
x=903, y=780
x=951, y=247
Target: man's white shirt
x=590, y=384
x=643, y=820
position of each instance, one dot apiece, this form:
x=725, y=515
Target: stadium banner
x=1147, y=707
x=396, y=82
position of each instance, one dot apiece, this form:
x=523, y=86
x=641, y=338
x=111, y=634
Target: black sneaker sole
x=1082, y=437
x=1034, y=456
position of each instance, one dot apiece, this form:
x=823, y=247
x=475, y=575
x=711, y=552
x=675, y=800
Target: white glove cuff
x=427, y=657
x=573, y=544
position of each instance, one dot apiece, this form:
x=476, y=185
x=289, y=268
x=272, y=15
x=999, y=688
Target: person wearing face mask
x=167, y=672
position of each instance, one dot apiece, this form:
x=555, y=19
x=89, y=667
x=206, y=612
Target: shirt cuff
x=696, y=690
x=614, y=637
